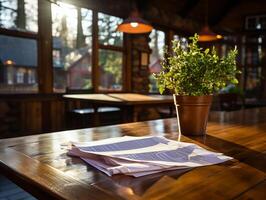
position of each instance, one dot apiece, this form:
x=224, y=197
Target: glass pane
x=19, y=14
x=72, y=44
x=110, y=63
x=157, y=45
x=263, y=22
x=108, y=35
x=183, y=41
x=251, y=23
x=18, y=64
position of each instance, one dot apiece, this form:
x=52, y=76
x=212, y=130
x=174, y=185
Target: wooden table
x=40, y=165
x=130, y=103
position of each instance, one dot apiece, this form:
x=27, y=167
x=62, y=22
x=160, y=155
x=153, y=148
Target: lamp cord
x=206, y=13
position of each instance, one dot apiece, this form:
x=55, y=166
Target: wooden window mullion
x=95, y=52
x=45, y=59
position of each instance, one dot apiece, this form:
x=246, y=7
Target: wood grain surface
x=39, y=163
x=131, y=104
x=122, y=99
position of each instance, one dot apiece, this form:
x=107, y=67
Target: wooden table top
x=40, y=165
x=122, y=98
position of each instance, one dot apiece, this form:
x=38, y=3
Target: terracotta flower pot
x=193, y=113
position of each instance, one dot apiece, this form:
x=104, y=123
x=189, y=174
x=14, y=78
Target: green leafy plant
x=194, y=71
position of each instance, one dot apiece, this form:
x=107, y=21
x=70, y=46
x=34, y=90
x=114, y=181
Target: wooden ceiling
x=226, y=16
x=223, y=15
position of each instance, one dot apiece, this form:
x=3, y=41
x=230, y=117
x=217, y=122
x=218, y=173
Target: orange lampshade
x=134, y=25
x=207, y=35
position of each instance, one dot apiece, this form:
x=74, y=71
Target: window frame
x=121, y=49
x=26, y=34
x=44, y=41
x=167, y=42
x=96, y=46
x=67, y=89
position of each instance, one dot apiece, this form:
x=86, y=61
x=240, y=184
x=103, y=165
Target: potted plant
x=193, y=75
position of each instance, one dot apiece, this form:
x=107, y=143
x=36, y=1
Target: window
x=110, y=53
x=72, y=47
x=17, y=55
x=108, y=35
x=183, y=41
x=18, y=52
x=20, y=75
x=31, y=77
x=20, y=15
x=157, y=45
x=110, y=63
x=257, y=22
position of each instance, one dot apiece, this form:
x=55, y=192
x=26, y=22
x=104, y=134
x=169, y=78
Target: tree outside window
x=18, y=53
x=72, y=47
x=110, y=53
x=20, y=15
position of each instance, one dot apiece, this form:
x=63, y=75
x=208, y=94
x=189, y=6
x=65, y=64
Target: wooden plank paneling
x=58, y=115
x=31, y=117
x=31, y=114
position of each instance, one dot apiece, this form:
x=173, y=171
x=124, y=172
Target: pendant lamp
x=206, y=34
x=134, y=24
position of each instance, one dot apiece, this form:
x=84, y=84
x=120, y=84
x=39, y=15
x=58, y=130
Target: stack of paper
x=139, y=156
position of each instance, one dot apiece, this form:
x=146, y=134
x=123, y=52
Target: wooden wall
x=31, y=114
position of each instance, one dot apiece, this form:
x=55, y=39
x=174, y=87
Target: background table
x=130, y=103
x=40, y=165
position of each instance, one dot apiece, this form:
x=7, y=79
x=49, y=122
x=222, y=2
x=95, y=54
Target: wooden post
x=95, y=49
x=128, y=64
x=45, y=59
x=169, y=36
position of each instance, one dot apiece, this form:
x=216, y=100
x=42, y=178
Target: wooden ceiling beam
x=224, y=11
x=141, y=5
x=187, y=8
